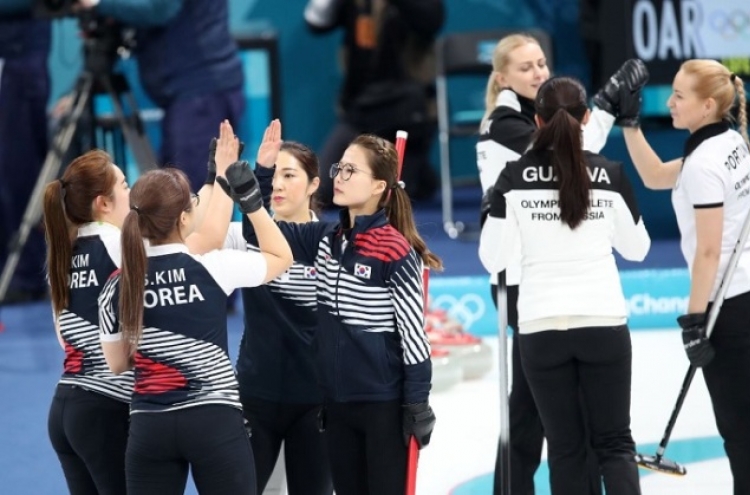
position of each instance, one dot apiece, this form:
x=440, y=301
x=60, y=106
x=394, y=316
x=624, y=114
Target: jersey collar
x=96, y=228
x=163, y=249
x=509, y=98
x=705, y=132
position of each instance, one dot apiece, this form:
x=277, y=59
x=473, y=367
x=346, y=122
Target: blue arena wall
x=655, y=298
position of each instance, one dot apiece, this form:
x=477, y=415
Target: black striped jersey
x=370, y=343
x=275, y=360
x=96, y=254
x=507, y=134
x=564, y=272
x=715, y=173
x=182, y=359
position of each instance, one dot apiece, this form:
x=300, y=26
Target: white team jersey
x=564, y=272
x=715, y=173
x=507, y=134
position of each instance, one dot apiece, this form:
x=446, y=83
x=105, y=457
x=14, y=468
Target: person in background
x=370, y=304
x=24, y=91
x=711, y=199
x=189, y=66
x=519, y=69
x=280, y=396
x=566, y=210
x=389, y=74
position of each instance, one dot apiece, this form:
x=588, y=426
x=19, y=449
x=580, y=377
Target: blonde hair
x=713, y=80
x=500, y=60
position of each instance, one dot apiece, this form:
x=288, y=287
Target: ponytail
x=563, y=135
x=490, y=98
x=133, y=279
x=57, y=232
x=739, y=86
x=400, y=216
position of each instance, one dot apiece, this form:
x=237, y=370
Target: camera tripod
x=97, y=77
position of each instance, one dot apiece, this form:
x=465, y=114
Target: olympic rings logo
x=730, y=25
x=467, y=309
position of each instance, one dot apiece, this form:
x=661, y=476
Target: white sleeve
x=113, y=245
x=109, y=324
x=233, y=269
x=235, y=239
x=498, y=242
x=631, y=238
x=491, y=160
x=596, y=131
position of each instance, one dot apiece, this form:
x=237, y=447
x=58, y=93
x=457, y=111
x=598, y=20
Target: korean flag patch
x=362, y=271
x=310, y=273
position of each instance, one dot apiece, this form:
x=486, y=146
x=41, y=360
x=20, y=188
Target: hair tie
x=136, y=209
x=398, y=184
x=732, y=77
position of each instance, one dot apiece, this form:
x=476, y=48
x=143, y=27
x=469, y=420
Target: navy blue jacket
x=20, y=33
x=370, y=343
x=184, y=47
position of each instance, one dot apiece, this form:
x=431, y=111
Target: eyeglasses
x=346, y=170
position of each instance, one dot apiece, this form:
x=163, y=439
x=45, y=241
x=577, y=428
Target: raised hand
x=227, y=148
x=271, y=144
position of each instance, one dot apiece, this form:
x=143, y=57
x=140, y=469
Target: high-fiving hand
x=269, y=148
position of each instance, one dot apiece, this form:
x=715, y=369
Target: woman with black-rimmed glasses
x=372, y=355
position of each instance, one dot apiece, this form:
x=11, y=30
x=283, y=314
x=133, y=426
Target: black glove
x=211, y=175
x=698, y=348
x=242, y=186
x=632, y=75
x=630, y=108
x=418, y=421
x=211, y=165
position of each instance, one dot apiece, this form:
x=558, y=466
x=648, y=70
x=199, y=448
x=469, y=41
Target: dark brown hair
x=309, y=162
x=561, y=105
x=383, y=162
x=68, y=203
x=157, y=201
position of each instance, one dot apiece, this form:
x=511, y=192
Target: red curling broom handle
x=412, y=457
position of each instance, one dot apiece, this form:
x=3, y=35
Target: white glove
x=321, y=13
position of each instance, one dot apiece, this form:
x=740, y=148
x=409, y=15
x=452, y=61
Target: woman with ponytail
x=372, y=355
x=88, y=419
x=711, y=198
x=565, y=210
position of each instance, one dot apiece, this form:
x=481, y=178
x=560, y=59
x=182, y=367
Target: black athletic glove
x=630, y=108
x=211, y=165
x=698, y=348
x=418, y=421
x=242, y=186
x=632, y=75
x=211, y=175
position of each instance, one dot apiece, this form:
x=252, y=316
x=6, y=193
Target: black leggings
x=89, y=433
x=211, y=440
x=526, y=432
x=366, y=446
x=305, y=453
x=581, y=380
x=727, y=378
